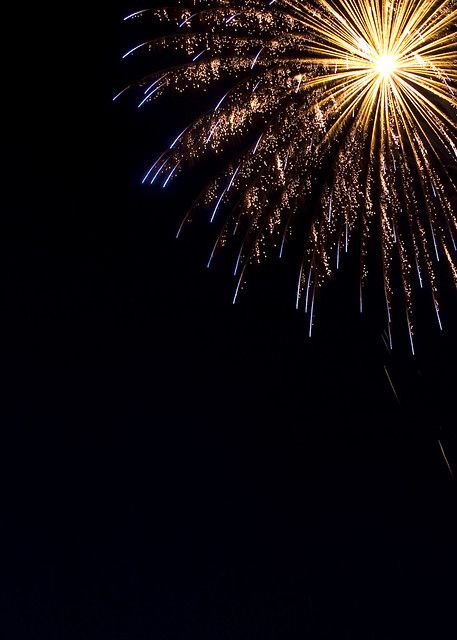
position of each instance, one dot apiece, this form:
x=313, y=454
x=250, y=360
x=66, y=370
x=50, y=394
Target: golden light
x=368, y=86
x=385, y=65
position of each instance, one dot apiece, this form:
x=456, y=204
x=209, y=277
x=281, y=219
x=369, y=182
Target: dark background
x=174, y=466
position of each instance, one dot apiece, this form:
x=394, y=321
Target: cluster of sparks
x=340, y=121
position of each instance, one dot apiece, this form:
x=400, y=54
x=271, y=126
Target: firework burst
x=340, y=113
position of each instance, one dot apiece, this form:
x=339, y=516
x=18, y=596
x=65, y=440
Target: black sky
x=174, y=466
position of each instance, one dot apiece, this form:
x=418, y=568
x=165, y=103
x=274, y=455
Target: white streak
x=257, y=57
x=159, y=170
x=187, y=20
x=143, y=44
x=233, y=176
x=221, y=100
x=410, y=334
x=217, y=205
x=154, y=83
x=391, y=385
x=307, y=291
x=178, y=138
x=445, y=459
x=434, y=243
x=298, y=286
x=257, y=144
x=438, y=314
x=153, y=167
x=118, y=95
x=137, y=13
x=232, y=18
x=199, y=54
x=146, y=98
x=170, y=175
x=311, y=314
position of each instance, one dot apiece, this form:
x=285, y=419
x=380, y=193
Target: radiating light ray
x=343, y=113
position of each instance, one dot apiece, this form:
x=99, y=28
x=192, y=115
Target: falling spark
x=446, y=459
x=391, y=385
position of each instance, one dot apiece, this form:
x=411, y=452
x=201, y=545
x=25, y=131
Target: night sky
x=173, y=466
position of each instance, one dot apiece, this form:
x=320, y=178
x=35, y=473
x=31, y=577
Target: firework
x=338, y=114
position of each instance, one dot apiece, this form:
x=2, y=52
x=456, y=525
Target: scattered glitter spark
x=340, y=114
